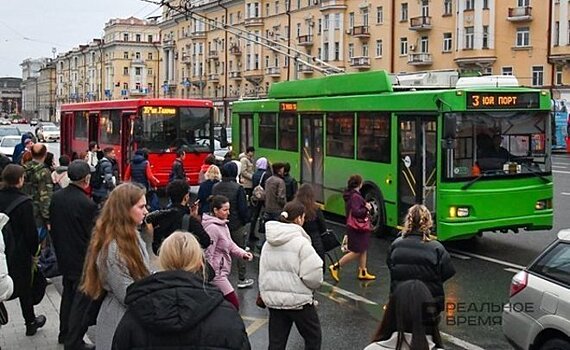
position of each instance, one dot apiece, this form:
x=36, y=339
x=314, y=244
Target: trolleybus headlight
x=458, y=212
x=542, y=204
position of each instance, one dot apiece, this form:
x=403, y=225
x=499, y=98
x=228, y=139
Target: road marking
x=486, y=258
x=561, y=172
x=560, y=166
x=456, y=341
x=509, y=269
x=460, y=256
x=255, y=325
x=565, y=193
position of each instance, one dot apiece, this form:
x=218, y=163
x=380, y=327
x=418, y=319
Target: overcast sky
x=31, y=28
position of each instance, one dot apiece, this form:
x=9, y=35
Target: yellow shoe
x=334, y=270
x=364, y=275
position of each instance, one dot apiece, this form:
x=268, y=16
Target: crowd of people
x=111, y=279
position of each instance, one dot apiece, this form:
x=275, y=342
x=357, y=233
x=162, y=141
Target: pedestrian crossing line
x=347, y=294
x=460, y=256
x=256, y=324
x=559, y=166
x=565, y=193
x=561, y=172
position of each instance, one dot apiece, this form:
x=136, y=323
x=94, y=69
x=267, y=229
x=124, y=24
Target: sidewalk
x=12, y=335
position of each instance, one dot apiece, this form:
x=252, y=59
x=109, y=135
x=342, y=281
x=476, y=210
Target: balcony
x=305, y=69
x=520, y=14
x=253, y=22
x=168, y=43
x=254, y=76
x=186, y=58
x=213, y=55
x=420, y=23
x=305, y=40
x=333, y=5
x=235, y=75
x=235, y=50
x=360, y=32
x=360, y=62
x=214, y=78
x=274, y=72
x=420, y=59
x=197, y=35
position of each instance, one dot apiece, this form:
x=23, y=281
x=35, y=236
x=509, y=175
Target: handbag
x=344, y=245
x=48, y=262
x=39, y=285
x=3, y=314
x=259, y=302
x=330, y=240
x=358, y=225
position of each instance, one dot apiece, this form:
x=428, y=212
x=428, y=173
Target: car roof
x=564, y=235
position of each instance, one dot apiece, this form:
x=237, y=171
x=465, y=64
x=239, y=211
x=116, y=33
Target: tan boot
x=364, y=275
x=335, y=272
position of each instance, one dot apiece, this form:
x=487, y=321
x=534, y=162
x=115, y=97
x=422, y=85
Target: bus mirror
x=223, y=137
x=138, y=130
x=450, y=127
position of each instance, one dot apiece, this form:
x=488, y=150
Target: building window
x=469, y=5
x=320, y=27
x=537, y=75
x=365, y=17
x=556, y=33
x=125, y=70
x=374, y=137
x=337, y=21
x=403, y=46
x=351, y=20
x=447, y=42
x=425, y=8
x=267, y=130
x=150, y=38
x=137, y=71
x=507, y=71
x=138, y=38
x=485, y=37
x=276, y=7
x=365, y=50
x=326, y=22
x=125, y=86
x=340, y=135
x=350, y=50
x=288, y=132
x=126, y=55
x=469, y=37
x=337, y=51
x=126, y=37
x=325, y=52
x=379, y=14
x=559, y=71
x=485, y=4
x=523, y=3
x=150, y=55
x=447, y=7
x=523, y=37
x=138, y=55
x=424, y=44
x=149, y=71
x=404, y=12
x=379, y=48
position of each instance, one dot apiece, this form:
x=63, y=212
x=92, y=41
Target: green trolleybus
x=476, y=154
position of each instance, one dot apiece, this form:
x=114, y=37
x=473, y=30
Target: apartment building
x=123, y=64
x=30, y=75
x=46, y=91
x=10, y=96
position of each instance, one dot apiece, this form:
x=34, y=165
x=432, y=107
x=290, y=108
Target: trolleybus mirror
x=223, y=137
x=450, y=126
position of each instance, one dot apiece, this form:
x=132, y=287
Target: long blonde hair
x=418, y=219
x=181, y=251
x=115, y=224
x=213, y=173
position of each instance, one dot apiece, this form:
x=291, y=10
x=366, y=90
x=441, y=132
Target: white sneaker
x=248, y=282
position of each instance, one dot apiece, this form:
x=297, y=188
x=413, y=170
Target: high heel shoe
x=364, y=275
x=335, y=272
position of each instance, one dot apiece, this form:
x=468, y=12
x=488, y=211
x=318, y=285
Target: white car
x=8, y=143
x=49, y=133
x=5, y=121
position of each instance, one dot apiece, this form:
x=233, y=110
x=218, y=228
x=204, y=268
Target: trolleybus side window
x=246, y=131
x=288, y=135
x=110, y=125
x=80, y=125
x=340, y=135
x=374, y=137
x=267, y=130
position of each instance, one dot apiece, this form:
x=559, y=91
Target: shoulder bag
x=358, y=225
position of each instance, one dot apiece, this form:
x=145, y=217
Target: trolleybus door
x=416, y=162
x=246, y=132
x=312, y=153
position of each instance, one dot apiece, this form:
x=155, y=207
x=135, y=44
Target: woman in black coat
x=176, y=308
x=22, y=242
x=414, y=255
x=315, y=224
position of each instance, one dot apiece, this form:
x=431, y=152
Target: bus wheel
x=378, y=211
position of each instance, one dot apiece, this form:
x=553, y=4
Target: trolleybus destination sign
x=500, y=100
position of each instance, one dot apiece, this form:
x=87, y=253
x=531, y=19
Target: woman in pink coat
x=219, y=253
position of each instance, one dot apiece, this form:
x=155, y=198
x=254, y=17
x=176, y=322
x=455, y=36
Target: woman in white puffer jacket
x=290, y=270
x=6, y=283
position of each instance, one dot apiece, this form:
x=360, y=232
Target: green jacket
x=39, y=186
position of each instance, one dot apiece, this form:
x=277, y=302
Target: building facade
x=10, y=96
x=30, y=88
x=46, y=92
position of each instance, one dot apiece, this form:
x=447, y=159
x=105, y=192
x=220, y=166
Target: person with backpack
x=139, y=171
x=22, y=242
x=59, y=175
x=290, y=183
x=72, y=215
x=181, y=215
x=261, y=174
x=177, y=172
x=92, y=155
x=19, y=149
x=103, y=180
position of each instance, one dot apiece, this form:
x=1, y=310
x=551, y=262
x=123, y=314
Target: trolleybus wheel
x=378, y=212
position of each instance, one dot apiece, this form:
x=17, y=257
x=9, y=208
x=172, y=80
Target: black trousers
x=306, y=320
x=84, y=311
x=69, y=292
x=27, y=305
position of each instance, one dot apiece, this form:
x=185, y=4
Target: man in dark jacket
x=239, y=214
x=108, y=176
x=21, y=239
x=72, y=215
x=180, y=212
x=177, y=172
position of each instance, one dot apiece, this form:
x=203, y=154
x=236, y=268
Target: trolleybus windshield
x=495, y=144
x=169, y=128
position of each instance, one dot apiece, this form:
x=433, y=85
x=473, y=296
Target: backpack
x=30, y=179
x=97, y=176
x=258, y=193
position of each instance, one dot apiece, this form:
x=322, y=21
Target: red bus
x=160, y=125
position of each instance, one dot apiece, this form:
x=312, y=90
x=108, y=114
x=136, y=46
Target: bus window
x=374, y=137
x=288, y=137
x=80, y=125
x=267, y=130
x=340, y=135
x=110, y=126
